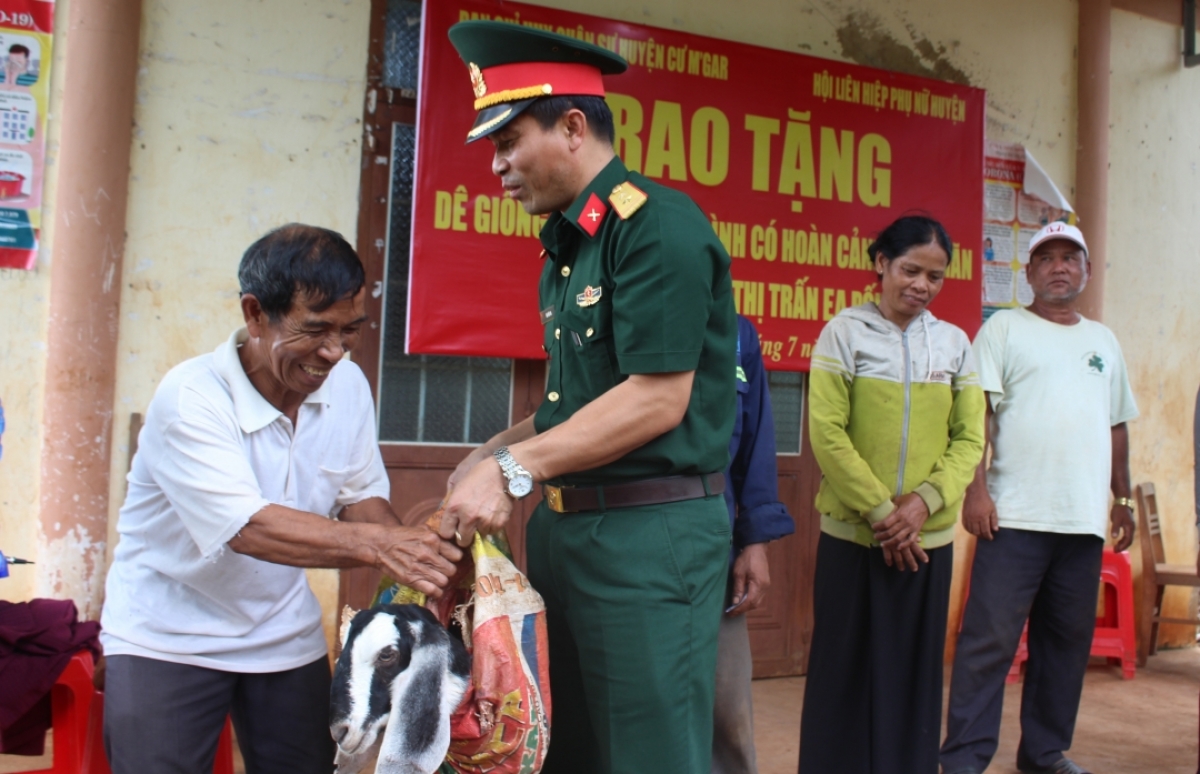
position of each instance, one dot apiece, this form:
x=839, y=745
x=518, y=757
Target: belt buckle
x=553, y=498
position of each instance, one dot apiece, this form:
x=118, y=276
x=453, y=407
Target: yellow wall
x=248, y=116
x=1150, y=293
x=24, y=311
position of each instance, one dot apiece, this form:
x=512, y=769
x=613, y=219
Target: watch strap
x=1126, y=501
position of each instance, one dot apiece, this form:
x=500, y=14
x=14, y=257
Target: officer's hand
x=417, y=557
x=751, y=579
x=464, y=467
x=903, y=526
x=1122, y=527
x=979, y=513
x=479, y=502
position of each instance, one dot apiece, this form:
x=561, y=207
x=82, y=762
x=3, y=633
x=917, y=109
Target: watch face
x=520, y=486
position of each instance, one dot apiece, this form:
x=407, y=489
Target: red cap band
x=523, y=80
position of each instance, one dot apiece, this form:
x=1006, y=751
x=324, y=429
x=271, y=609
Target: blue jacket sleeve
x=760, y=516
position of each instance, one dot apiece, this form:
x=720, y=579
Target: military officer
x=630, y=543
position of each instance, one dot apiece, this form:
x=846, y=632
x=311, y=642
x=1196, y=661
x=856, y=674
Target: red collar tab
x=592, y=215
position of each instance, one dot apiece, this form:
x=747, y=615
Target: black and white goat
x=399, y=678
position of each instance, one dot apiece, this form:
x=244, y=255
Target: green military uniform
x=635, y=282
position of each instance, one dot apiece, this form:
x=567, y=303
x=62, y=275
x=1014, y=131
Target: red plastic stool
x=77, y=711
x=1114, y=633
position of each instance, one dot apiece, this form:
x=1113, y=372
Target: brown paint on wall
x=865, y=42
x=89, y=240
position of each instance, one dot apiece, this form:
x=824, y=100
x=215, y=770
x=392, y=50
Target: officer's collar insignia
x=589, y=296
x=627, y=199
x=477, y=82
x=592, y=215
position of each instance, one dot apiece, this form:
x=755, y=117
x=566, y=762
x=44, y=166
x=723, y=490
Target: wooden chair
x=1156, y=574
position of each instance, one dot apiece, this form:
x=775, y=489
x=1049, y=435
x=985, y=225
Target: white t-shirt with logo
x=1056, y=390
x=212, y=453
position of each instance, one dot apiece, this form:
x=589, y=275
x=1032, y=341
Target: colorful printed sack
x=503, y=723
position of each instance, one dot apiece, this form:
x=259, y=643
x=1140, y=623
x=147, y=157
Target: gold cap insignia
x=477, y=80
x=589, y=296
x=627, y=199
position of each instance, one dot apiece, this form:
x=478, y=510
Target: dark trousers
x=633, y=603
x=165, y=718
x=873, y=696
x=1051, y=580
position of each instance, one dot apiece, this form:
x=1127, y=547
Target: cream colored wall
x=248, y=116
x=1151, y=288
x=24, y=311
x=1021, y=51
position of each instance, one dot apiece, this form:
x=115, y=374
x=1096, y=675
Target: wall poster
x=26, y=28
x=1019, y=198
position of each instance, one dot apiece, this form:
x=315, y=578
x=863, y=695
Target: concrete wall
x=248, y=117
x=24, y=311
x=1150, y=295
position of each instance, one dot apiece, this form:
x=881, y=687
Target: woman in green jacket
x=896, y=422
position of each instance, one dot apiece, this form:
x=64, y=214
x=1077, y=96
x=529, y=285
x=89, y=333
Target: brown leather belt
x=651, y=491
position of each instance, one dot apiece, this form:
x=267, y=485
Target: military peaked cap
x=511, y=66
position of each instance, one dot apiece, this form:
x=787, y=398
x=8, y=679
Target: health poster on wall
x=26, y=28
x=1019, y=198
x=797, y=163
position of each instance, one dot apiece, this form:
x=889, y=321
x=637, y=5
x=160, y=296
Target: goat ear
x=418, y=731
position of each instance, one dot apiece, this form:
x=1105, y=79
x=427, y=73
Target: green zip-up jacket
x=893, y=412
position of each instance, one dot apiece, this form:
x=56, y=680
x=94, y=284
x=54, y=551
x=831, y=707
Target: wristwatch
x=520, y=481
x=1126, y=501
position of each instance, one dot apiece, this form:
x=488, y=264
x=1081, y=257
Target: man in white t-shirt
x=1058, y=403
x=255, y=461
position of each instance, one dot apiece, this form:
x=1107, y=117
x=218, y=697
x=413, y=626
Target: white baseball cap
x=1057, y=230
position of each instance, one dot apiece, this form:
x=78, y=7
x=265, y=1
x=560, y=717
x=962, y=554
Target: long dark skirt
x=873, y=697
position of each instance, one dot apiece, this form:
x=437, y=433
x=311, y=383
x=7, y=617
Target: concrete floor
x=1148, y=724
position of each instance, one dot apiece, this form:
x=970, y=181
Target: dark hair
x=17, y=48
x=547, y=111
x=908, y=232
x=297, y=258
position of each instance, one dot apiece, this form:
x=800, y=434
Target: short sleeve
x=202, y=468
x=989, y=355
x=368, y=477
x=663, y=288
x=1122, y=406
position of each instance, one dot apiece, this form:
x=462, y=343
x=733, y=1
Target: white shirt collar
x=254, y=412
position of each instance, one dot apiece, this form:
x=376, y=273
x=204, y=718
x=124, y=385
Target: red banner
x=797, y=161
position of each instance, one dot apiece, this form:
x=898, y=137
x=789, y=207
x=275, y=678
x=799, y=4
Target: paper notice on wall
x=26, y=28
x=1019, y=198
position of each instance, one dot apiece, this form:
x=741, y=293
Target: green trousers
x=633, y=605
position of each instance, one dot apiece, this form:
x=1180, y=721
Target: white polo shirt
x=212, y=453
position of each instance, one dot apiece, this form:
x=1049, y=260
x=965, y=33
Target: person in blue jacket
x=757, y=516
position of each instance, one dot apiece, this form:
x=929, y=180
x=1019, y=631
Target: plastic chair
x=77, y=712
x=1114, y=636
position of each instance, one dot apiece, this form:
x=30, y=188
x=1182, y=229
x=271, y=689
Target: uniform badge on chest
x=589, y=296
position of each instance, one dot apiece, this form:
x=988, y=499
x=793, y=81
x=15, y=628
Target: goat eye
x=387, y=655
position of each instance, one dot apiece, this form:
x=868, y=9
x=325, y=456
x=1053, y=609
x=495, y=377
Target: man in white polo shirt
x=1058, y=401
x=255, y=461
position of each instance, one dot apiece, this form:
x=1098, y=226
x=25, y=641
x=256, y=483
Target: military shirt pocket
x=588, y=335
